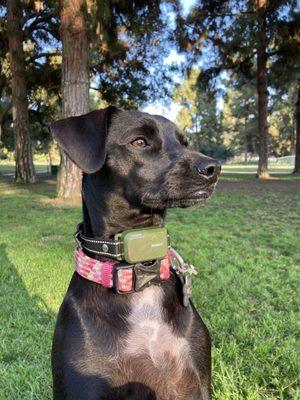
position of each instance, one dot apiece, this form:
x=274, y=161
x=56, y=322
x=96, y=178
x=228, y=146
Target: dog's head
x=144, y=155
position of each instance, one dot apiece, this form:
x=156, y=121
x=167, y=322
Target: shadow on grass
x=26, y=325
x=26, y=331
x=45, y=187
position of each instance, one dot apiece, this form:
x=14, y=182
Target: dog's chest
x=152, y=353
x=149, y=334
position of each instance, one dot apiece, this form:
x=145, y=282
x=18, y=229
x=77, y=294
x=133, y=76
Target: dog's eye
x=139, y=142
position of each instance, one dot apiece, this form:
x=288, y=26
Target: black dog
x=143, y=345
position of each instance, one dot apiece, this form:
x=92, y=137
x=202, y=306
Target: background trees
x=240, y=122
x=116, y=50
x=110, y=47
x=200, y=118
x=285, y=72
x=40, y=74
x=237, y=92
x=244, y=37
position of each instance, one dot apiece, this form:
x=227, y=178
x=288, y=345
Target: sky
x=171, y=111
x=187, y=4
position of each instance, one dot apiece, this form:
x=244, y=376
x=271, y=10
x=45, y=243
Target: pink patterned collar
x=105, y=271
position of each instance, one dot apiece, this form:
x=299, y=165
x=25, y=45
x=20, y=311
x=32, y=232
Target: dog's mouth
x=190, y=199
x=182, y=201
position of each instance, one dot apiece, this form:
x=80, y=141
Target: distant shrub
x=287, y=160
x=3, y=155
x=217, y=151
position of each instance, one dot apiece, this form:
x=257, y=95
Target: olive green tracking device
x=140, y=245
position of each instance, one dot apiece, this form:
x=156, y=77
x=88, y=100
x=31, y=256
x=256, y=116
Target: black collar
x=109, y=248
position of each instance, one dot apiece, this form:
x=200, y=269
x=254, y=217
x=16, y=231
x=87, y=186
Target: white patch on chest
x=151, y=336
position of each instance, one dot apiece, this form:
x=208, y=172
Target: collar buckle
x=136, y=277
x=123, y=278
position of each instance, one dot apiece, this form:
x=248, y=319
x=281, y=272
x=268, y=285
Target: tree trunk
x=262, y=91
x=245, y=149
x=297, y=150
x=6, y=106
x=75, y=85
x=1, y=123
x=25, y=172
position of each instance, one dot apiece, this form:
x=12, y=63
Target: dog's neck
x=106, y=211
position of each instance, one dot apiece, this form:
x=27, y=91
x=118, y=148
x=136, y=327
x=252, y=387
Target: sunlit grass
x=244, y=243
x=273, y=168
x=9, y=168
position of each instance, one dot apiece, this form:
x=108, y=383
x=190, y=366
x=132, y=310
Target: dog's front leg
x=201, y=352
x=76, y=386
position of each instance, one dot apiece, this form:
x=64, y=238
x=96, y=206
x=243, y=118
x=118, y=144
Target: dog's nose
x=208, y=168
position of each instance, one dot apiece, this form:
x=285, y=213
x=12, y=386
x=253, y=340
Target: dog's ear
x=83, y=138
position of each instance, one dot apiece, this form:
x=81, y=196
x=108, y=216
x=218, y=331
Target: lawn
x=245, y=244
x=252, y=168
x=8, y=168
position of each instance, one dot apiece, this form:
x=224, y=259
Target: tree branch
x=34, y=24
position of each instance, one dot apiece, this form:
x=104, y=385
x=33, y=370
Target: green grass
x=252, y=168
x=245, y=244
x=41, y=163
x=9, y=168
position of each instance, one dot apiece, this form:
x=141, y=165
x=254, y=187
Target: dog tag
x=187, y=290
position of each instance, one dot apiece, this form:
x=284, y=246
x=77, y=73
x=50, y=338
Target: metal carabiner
x=183, y=267
x=185, y=272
